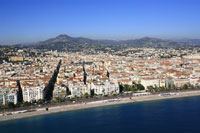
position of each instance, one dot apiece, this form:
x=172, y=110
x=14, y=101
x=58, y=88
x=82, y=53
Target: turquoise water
x=165, y=116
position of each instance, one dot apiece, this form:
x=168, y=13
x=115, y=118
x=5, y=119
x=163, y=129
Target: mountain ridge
x=65, y=42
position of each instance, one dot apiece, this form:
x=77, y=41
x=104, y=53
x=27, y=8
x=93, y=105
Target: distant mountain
x=67, y=43
x=153, y=42
x=190, y=41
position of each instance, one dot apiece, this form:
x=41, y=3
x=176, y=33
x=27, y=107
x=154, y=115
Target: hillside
x=67, y=43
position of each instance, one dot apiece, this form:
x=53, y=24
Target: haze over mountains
x=190, y=41
x=64, y=42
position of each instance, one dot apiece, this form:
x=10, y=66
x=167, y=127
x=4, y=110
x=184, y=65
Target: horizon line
x=93, y=38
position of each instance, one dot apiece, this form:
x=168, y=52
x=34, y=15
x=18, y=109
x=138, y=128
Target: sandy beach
x=64, y=108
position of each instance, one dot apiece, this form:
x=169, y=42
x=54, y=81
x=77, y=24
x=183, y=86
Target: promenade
x=78, y=106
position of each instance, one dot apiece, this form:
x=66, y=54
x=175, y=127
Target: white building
x=106, y=88
x=78, y=89
x=150, y=82
x=59, y=91
x=33, y=93
x=12, y=98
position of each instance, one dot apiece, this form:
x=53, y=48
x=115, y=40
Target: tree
x=11, y=105
x=140, y=87
x=40, y=101
x=126, y=87
x=151, y=88
x=58, y=99
x=103, y=91
x=185, y=87
x=26, y=104
x=86, y=95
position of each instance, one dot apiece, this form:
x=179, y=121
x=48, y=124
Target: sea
x=181, y=115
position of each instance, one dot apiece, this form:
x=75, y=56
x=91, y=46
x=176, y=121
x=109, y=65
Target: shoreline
x=93, y=104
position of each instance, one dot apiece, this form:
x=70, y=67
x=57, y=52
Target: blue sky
x=35, y=20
